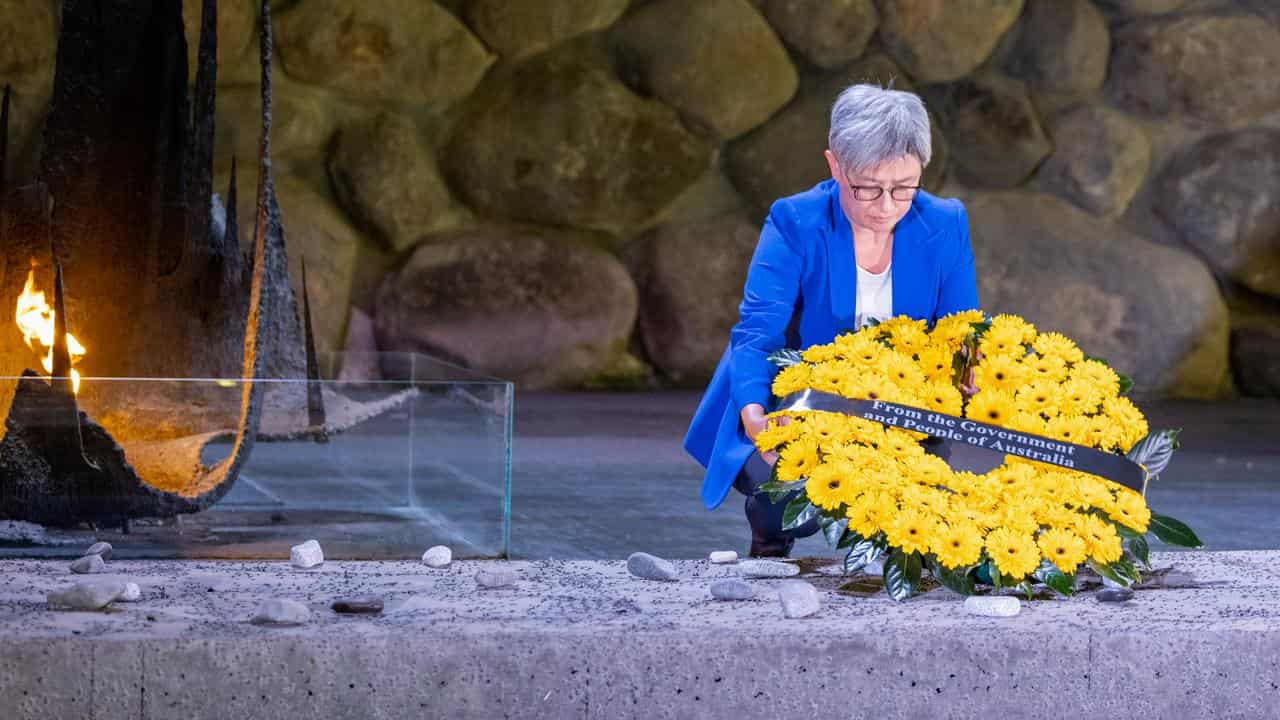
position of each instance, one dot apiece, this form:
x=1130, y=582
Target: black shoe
x=771, y=549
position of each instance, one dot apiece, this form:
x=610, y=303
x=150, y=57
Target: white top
x=875, y=296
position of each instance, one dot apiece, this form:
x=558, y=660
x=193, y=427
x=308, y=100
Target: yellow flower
x=936, y=363
x=990, y=406
x=943, y=398
x=1027, y=422
x=1104, y=433
x=1054, y=344
x=774, y=435
x=953, y=329
x=910, y=339
x=1046, y=367
x=827, y=486
x=1068, y=428
x=999, y=372
x=797, y=459
x=1014, y=553
x=1063, y=548
x=912, y=530
x=791, y=379
x=1039, y=397
x=1025, y=331
x=1100, y=538
x=1003, y=340
x=1098, y=375
x=901, y=445
x=902, y=371
x=1078, y=397
x=1130, y=509
x=958, y=544
x=820, y=353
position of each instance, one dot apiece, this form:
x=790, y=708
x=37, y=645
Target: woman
x=868, y=243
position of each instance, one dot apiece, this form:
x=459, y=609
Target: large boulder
x=519, y=29
x=386, y=178
x=716, y=61
x=690, y=277
x=1100, y=159
x=828, y=34
x=1153, y=311
x=558, y=140
x=784, y=156
x=302, y=121
x=944, y=40
x=1002, y=140
x=399, y=50
x=1255, y=360
x=543, y=308
x=1061, y=48
x=1221, y=196
x=1216, y=70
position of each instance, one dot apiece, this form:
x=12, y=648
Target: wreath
x=878, y=494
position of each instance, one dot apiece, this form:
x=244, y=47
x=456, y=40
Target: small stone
x=87, y=595
x=495, y=578
x=722, y=557
x=1112, y=594
x=649, y=567
x=799, y=599
x=767, y=569
x=278, y=611
x=362, y=605
x=732, y=589
x=100, y=548
x=992, y=605
x=438, y=557
x=89, y=564
x=132, y=593
x=307, y=555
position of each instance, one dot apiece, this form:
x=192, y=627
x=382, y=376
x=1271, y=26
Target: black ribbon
x=1116, y=468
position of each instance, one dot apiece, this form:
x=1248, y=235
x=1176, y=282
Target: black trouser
x=765, y=517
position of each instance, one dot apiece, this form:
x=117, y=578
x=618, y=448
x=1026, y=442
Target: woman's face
x=883, y=213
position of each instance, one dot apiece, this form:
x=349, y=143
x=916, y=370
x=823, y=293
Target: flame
x=35, y=320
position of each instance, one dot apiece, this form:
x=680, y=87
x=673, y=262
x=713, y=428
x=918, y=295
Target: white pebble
x=767, y=569
x=438, y=556
x=722, y=557
x=799, y=599
x=278, y=611
x=497, y=577
x=992, y=605
x=88, y=595
x=306, y=555
x=89, y=564
x=132, y=593
x=100, y=548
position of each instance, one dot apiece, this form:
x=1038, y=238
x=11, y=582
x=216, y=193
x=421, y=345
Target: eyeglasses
x=867, y=193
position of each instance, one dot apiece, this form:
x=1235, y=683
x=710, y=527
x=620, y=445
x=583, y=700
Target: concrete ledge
x=586, y=640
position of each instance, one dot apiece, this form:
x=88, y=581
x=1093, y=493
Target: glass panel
x=394, y=465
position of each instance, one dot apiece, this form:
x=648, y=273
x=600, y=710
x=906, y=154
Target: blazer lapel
x=915, y=272
x=841, y=266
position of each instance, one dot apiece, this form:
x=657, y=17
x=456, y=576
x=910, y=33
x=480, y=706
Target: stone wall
x=567, y=192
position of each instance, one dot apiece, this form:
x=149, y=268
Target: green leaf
x=913, y=567
x=896, y=576
x=856, y=559
x=1173, y=532
x=957, y=580
x=778, y=490
x=993, y=572
x=1155, y=451
x=1139, y=548
x=1122, y=530
x=833, y=529
x=848, y=539
x=1055, y=579
x=799, y=511
x=1107, y=572
x=785, y=358
x=1126, y=382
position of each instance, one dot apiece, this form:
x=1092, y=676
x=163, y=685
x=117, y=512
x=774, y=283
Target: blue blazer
x=801, y=291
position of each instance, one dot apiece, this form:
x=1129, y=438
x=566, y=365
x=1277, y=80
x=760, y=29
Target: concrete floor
x=603, y=475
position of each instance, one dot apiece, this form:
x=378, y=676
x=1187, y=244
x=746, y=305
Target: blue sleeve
x=768, y=301
x=959, y=287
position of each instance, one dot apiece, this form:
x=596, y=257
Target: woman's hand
x=754, y=422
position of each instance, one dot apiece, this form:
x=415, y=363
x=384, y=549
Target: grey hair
x=871, y=125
